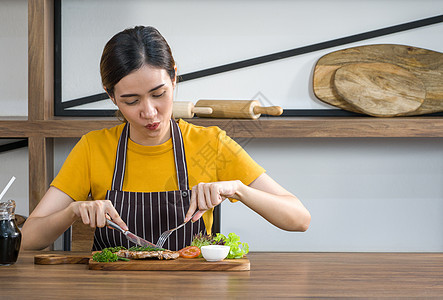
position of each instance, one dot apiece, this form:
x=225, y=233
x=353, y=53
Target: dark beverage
x=10, y=238
x=10, y=235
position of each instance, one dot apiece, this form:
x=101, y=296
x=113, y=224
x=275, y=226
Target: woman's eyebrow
x=151, y=90
x=157, y=87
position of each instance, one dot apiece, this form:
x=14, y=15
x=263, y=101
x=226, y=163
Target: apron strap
x=179, y=157
x=120, y=160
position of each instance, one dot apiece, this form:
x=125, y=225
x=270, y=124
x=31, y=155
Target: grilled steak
x=169, y=255
x=165, y=254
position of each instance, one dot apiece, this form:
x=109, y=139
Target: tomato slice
x=190, y=252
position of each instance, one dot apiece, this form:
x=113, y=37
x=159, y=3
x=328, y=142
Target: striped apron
x=149, y=214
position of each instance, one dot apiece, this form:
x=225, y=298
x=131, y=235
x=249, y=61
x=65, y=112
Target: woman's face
x=145, y=97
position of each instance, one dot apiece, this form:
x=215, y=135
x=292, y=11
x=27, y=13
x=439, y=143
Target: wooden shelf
x=302, y=127
x=284, y=127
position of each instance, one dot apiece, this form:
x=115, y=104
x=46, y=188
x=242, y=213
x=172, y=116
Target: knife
x=132, y=237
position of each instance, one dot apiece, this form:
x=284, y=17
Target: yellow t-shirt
x=210, y=155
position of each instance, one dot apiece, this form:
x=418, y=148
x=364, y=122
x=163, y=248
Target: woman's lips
x=153, y=126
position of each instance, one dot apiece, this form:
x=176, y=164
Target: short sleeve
x=74, y=177
x=234, y=163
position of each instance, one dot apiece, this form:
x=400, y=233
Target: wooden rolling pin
x=186, y=109
x=237, y=109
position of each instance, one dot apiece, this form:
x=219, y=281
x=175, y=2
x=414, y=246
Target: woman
x=139, y=173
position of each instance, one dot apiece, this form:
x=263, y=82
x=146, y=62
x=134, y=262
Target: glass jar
x=10, y=235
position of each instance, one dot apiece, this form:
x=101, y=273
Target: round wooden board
x=379, y=89
x=426, y=65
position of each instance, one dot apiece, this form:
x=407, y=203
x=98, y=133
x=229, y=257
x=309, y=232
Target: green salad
x=108, y=255
x=237, y=248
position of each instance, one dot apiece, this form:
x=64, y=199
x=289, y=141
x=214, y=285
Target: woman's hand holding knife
x=94, y=213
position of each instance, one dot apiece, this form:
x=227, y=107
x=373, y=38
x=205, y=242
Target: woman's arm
x=265, y=196
x=274, y=203
x=57, y=211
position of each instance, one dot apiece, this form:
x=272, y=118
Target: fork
x=165, y=235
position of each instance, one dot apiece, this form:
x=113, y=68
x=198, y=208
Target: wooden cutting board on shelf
x=405, y=71
x=180, y=264
x=379, y=89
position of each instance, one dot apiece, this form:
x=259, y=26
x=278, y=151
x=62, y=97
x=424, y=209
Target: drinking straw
x=7, y=187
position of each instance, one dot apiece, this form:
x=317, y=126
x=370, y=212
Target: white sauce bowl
x=215, y=252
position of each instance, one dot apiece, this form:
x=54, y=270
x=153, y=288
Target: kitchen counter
x=272, y=275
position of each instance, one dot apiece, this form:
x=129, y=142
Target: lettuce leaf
x=237, y=248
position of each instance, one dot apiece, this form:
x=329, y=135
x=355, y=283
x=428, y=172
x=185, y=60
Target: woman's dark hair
x=131, y=49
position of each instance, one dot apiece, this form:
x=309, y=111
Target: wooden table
x=272, y=275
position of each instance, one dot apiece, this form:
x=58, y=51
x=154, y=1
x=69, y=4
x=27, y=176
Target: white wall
x=364, y=194
x=14, y=57
x=206, y=34
x=14, y=95
x=15, y=163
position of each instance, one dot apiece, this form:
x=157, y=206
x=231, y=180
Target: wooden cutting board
x=180, y=264
x=425, y=65
x=379, y=89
